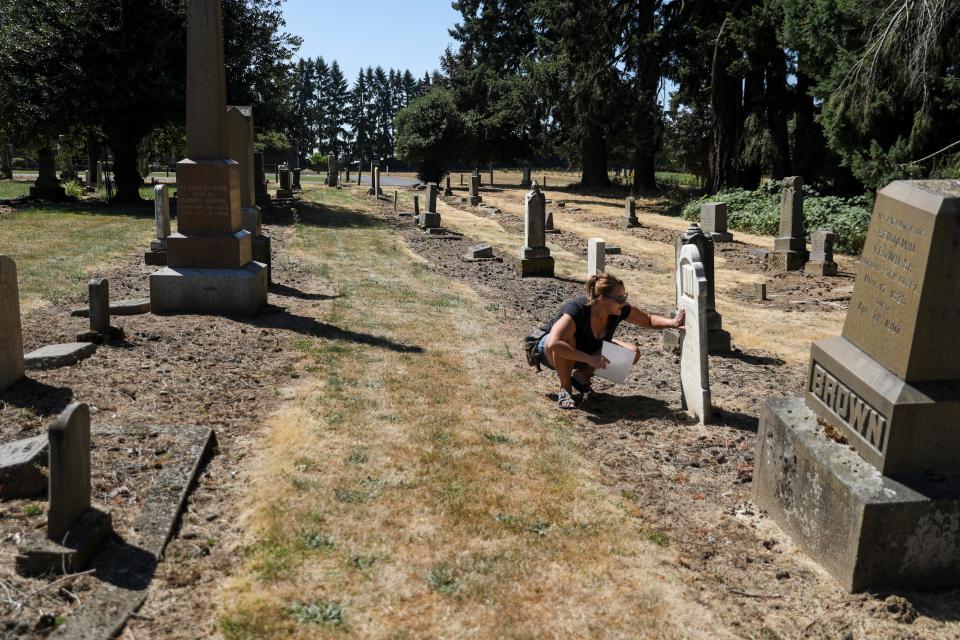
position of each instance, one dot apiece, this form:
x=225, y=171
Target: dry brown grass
x=753, y=327
x=433, y=493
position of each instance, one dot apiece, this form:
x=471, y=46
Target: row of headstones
x=75, y=529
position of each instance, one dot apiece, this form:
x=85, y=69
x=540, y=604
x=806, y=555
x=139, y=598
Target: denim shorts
x=542, y=350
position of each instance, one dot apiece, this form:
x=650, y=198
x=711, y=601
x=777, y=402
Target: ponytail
x=601, y=284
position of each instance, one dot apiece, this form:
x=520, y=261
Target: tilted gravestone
x=448, y=190
x=718, y=339
x=630, y=211
x=821, y=254
x=790, y=246
x=210, y=258
x=11, y=337
x=535, y=259
x=596, y=256
x=23, y=467
x=75, y=529
x=694, y=368
x=889, y=385
x=475, y=198
x=713, y=221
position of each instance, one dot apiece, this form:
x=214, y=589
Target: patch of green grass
x=317, y=612
x=32, y=510
x=497, y=438
x=658, y=538
x=441, y=579
x=358, y=456
x=57, y=250
x=316, y=540
x=14, y=188
x=630, y=495
x=362, y=562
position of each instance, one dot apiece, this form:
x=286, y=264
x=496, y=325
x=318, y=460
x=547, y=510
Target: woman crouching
x=576, y=334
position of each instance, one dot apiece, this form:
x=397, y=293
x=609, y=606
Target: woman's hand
x=680, y=319
x=598, y=362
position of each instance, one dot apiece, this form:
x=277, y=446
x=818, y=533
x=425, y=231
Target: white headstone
x=596, y=256
x=694, y=370
x=11, y=338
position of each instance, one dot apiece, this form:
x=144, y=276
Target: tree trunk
x=778, y=108
x=647, y=122
x=805, y=130
x=593, y=154
x=125, y=172
x=725, y=98
x=749, y=168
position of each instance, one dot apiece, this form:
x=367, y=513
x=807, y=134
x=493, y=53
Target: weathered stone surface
x=69, y=483
x=448, y=190
x=11, y=338
x=713, y=221
x=630, y=209
x=416, y=206
x=868, y=530
x=333, y=171
x=263, y=253
x=296, y=180
x=429, y=221
x=525, y=180
x=210, y=250
x=59, y=355
x=760, y=290
x=596, y=256
x=475, y=198
x=284, y=180
x=23, y=467
x=208, y=196
x=161, y=211
x=240, y=292
x=129, y=307
x=535, y=215
x=46, y=186
x=69, y=553
x=542, y=267
x=99, y=301
x=694, y=368
x=480, y=252
x=789, y=248
x=431, y=198
x=718, y=339
x=612, y=249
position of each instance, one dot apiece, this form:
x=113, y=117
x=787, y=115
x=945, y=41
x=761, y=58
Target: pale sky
x=408, y=34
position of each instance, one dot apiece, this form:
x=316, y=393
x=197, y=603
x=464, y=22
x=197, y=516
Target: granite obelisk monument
x=210, y=266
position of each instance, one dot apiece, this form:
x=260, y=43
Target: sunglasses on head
x=618, y=299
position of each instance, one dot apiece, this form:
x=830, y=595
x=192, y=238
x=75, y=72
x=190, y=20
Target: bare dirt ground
x=689, y=482
x=215, y=372
x=689, y=485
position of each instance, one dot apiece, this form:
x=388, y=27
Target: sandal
x=583, y=387
x=565, y=400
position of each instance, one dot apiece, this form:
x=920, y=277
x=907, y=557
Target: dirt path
x=690, y=483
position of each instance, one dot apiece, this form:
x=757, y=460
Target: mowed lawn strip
x=58, y=249
x=419, y=486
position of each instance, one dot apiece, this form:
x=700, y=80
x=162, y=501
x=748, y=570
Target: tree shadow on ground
x=321, y=215
x=99, y=207
x=41, y=398
x=279, y=318
x=292, y=292
x=747, y=358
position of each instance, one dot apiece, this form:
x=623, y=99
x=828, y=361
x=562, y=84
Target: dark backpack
x=530, y=344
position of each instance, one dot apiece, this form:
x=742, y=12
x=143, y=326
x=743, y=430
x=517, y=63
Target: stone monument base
x=632, y=224
x=262, y=253
x=475, y=200
x=210, y=250
x=553, y=231
x=263, y=201
x=866, y=529
x=718, y=341
x=155, y=258
x=240, y=292
x=536, y=267
x=53, y=194
x=429, y=220
x=39, y=555
x=818, y=268
x=718, y=236
x=786, y=260
x=284, y=194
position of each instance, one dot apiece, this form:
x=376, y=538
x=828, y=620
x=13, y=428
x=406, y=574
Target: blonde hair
x=602, y=284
